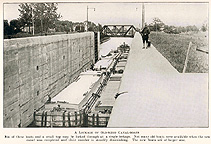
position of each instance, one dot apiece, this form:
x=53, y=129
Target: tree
x=79, y=28
x=92, y=26
x=82, y=28
x=204, y=27
x=172, y=29
x=12, y=28
x=61, y=26
x=7, y=29
x=44, y=15
x=25, y=14
x=66, y=29
x=157, y=24
x=15, y=25
x=191, y=28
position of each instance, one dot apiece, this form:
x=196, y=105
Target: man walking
x=145, y=34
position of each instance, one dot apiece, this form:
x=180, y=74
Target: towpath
x=157, y=95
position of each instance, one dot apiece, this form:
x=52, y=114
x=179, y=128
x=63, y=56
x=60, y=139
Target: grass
x=174, y=48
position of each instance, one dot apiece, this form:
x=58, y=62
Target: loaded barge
x=88, y=101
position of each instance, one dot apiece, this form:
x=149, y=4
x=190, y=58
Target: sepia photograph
x=105, y=65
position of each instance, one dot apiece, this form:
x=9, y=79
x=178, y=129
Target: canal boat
x=72, y=107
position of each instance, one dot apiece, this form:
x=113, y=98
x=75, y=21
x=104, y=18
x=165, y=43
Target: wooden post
x=93, y=119
x=64, y=119
x=186, y=60
x=75, y=118
x=42, y=119
x=69, y=123
x=46, y=119
x=97, y=120
x=51, y=123
x=80, y=119
x=106, y=123
x=34, y=117
x=85, y=119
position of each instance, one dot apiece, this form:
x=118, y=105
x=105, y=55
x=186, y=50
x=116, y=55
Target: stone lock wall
x=38, y=67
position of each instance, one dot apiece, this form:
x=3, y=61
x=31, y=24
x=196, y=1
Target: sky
x=178, y=14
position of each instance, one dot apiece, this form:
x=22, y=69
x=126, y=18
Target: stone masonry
x=38, y=67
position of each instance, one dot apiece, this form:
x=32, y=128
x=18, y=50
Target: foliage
x=45, y=19
x=7, y=29
x=26, y=14
x=15, y=26
x=156, y=25
x=180, y=29
x=44, y=15
x=12, y=28
x=191, y=28
x=204, y=27
x=63, y=26
x=69, y=26
x=79, y=28
x=92, y=26
x=90, y=29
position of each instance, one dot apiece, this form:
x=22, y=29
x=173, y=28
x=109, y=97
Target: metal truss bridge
x=118, y=31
